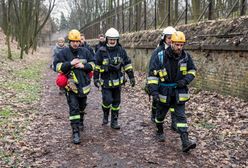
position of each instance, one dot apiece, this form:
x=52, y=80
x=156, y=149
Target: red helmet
x=61, y=80
x=91, y=74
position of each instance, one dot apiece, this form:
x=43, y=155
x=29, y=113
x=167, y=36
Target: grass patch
x=8, y=159
x=206, y=125
x=15, y=53
x=26, y=84
x=32, y=73
x=5, y=112
x=27, y=91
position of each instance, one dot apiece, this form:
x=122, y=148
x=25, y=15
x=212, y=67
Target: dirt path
x=134, y=145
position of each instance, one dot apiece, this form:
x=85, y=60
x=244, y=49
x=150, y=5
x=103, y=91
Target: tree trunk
x=168, y=7
x=196, y=9
x=8, y=43
x=138, y=15
x=130, y=19
x=161, y=11
x=176, y=10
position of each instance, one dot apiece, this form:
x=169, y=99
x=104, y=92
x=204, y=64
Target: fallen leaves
x=219, y=124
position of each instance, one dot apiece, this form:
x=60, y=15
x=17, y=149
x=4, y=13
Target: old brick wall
x=219, y=49
x=220, y=71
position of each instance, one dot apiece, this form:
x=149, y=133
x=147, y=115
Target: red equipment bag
x=61, y=80
x=91, y=74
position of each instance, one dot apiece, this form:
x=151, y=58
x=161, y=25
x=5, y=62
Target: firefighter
x=75, y=62
x=111, y=61
x=164, y=43
x=168, y=80
x=86, y=45
x=101, y=42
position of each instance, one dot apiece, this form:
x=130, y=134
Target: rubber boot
x=75, y=135
x=114, y=120
x=186, y=143
x=81, y=126
x=105, y=115
x=153, y=114
x=160, y=132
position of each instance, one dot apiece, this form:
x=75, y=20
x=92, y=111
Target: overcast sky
x=60, y=6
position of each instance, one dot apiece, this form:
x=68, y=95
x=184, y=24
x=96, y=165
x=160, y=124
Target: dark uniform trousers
x=111, y=96
x=162, y=110
x=76, y=108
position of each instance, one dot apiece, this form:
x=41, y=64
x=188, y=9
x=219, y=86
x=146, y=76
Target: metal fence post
x=242, y=7
x=186, y=12
x=144, y=14
x=122, y=12
x=155, y=19
x=210, y=10
x=169, y=16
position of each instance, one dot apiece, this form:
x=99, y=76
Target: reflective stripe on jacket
x=110, y=65
x=170, y=70
x=80, y=77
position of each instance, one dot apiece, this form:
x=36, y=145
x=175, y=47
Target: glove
x=181, y=83
x=132, y=82
x=97, y=83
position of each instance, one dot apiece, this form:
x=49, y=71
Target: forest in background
x=30, y=22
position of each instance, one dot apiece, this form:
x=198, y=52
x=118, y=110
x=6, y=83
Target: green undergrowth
x=4, y=53
x=20, y=92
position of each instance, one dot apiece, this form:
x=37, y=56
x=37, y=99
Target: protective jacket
x=161, y=47
x=166, y=70
x=99, y=45
x=110, y=63
x=80, y=77
x=87, y=46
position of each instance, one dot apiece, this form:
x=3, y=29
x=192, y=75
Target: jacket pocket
x=163, y=95
x=182, y=95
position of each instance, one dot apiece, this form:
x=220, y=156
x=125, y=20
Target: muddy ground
x=134, y=145
x=218, y=124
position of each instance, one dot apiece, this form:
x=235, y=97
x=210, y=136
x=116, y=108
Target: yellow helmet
x=74, y=35
x=178, y=36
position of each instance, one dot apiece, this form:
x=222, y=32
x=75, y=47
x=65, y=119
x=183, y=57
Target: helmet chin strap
x=111, y=45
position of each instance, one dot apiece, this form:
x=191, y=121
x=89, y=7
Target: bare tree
x=196, y=9
x=7, y=26
x=24, y=20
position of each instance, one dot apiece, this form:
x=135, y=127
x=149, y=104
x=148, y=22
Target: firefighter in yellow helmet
x=76, y=63
x=111, y=64
x=164, y=43
x=169, y=75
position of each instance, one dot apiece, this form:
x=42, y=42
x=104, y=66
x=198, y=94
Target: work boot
x=75, y=136
x=186, y=143
x=81, y=126
x=160, y=132
x=105, y=115
x=114, y=120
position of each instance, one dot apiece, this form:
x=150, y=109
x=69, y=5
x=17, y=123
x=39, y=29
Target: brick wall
x=225, y=72
x=218, y=48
